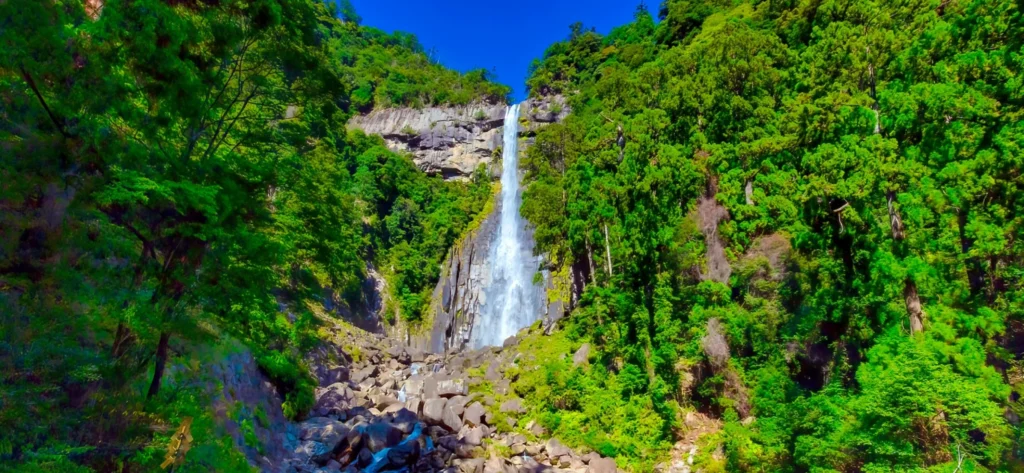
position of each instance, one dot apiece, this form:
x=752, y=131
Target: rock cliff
x=454, y=141
x=466, y=272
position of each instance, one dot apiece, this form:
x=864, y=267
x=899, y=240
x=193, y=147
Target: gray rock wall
x=454, y=141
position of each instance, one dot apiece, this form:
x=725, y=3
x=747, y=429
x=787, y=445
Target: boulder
x=382, y=435
x=474, y=436
x=474, y=414
x=602, y=465
x=404, y=454
x=413, y=404
x=510, y=342
x=555, y=449
x=361, y=375
x=327, y=377
x=582, y=356
x=416, y=355
x=451, y=420
x=320, y=436
x=405, y=420
x=492, y=374
x=458, y=404
x=452, y=387
x=334, y=400
x=469, y=465
x=413, y=386
x=514, y=405
x=433, y=410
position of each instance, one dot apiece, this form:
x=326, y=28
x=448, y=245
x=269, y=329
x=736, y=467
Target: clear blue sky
x=503, y=37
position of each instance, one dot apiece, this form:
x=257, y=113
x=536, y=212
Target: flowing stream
x=513, y=300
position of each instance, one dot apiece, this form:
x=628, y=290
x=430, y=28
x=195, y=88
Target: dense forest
x=802, y=218
x=176, y=171
x=799, y=220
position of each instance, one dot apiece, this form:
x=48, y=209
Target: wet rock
x=404, y=454
x=405, y=420
x=365, y=458
x=510, y=342
x=413, y=386
x=382, y=435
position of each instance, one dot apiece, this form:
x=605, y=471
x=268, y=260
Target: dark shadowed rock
x=404, y=454
x=320, y=437
x=382, y=435
x=336, y=399
x=365, y=373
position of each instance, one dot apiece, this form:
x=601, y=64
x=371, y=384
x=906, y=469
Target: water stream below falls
x=512, y=300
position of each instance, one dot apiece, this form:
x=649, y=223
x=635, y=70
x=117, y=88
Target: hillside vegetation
x=801, y=217
x=174, y=172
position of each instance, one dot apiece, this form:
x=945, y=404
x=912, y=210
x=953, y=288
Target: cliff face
x=454, y=141
x=451, y=141
x=466, y=273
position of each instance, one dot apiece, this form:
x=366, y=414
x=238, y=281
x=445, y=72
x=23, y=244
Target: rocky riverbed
x=384, y=407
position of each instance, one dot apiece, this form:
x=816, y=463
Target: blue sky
x=500, y=36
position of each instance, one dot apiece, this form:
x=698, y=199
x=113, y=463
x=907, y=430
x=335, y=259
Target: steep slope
x=176, y=176
x=800, y=219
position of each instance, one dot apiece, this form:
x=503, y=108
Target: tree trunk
x=608, y=250
x=895, y=222
x=914, y=307
x=120, y=340
x=590, y=261
x=161, y=363
x=748, y=191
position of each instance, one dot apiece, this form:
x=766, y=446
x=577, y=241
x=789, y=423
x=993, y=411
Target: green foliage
x=590, y=408
x=866, y=157
x=175, y=173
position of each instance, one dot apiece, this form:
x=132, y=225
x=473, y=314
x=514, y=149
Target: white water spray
x=513, y=300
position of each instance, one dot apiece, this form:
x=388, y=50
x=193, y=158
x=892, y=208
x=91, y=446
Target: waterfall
x=512, y=300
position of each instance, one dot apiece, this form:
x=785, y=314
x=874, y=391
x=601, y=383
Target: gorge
x=728, y=236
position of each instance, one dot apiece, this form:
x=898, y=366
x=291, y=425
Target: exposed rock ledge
x=454, y=141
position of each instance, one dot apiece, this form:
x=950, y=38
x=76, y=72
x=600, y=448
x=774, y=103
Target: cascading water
x=513, y=300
